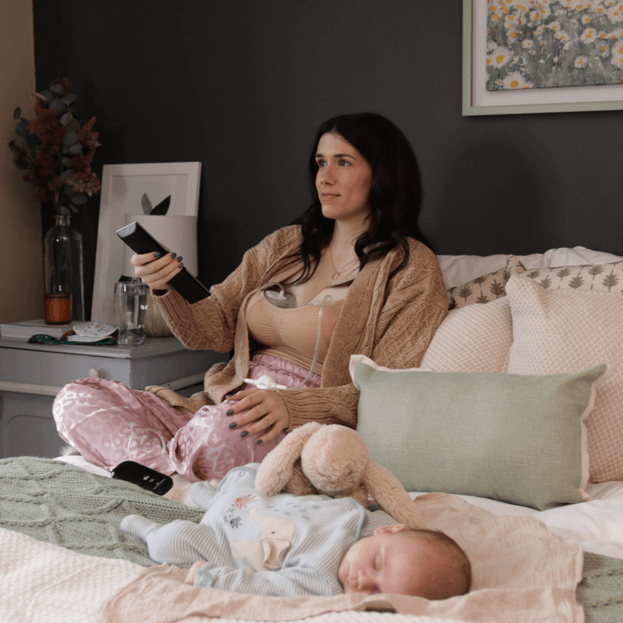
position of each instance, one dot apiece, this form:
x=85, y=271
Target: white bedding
x=597, y=523
x=44, y=583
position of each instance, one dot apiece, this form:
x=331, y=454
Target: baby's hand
x=192, y=572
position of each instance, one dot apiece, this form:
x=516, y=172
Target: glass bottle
x=63, y=273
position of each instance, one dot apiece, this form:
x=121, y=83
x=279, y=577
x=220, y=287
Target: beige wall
x=21, y=286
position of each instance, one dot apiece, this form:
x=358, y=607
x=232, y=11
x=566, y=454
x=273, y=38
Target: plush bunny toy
x=333, y=459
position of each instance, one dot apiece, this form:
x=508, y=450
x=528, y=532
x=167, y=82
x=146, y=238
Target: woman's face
x=343, y=180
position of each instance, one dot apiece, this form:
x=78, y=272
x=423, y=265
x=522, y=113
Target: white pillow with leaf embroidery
x=598, y=277
x=485, y=288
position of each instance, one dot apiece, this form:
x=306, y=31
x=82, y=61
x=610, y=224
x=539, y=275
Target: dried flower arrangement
x=57, y=150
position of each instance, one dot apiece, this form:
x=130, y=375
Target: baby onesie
x=284, y=545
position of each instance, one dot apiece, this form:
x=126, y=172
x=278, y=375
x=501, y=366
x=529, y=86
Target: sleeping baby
x=289, y=545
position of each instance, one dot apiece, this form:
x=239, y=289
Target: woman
x=353, y=279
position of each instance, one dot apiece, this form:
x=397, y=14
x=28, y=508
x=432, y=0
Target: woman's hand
x=156, y=271
x=264, y=407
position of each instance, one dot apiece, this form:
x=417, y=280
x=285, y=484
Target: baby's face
x=385, y=563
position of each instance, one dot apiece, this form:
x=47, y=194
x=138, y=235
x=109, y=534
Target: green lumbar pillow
x=515, y=438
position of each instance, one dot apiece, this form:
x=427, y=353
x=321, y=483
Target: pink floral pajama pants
x=109, y=423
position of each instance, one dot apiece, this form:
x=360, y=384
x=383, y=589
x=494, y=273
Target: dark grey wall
x=242, y=86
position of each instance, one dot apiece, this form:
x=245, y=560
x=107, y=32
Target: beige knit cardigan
x=389, y=320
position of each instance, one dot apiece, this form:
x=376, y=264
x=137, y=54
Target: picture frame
x=123, y=186
x=478, y=101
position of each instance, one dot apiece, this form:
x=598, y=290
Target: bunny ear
x=276, y=469
x=391, y=496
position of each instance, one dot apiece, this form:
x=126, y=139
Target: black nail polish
x=173, y=256
x=180, y=258
x=258, y=442
x=230, y=412
x=157, y=255
x=180, y=265
x=233, y=425
x=244, y=433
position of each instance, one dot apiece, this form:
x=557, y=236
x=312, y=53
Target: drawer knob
x=96, y=373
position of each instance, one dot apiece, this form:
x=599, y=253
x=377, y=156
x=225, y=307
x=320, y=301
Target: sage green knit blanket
x=601, y=589
x=61, y=504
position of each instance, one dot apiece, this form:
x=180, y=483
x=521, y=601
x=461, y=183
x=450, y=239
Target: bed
x=521, y=470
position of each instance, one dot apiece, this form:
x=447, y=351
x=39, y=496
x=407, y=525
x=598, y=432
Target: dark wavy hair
x=394, y=198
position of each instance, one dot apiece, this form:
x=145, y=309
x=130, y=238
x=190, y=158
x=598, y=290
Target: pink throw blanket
x=521, y=574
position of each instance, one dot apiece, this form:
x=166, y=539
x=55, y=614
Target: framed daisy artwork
x=535, y=56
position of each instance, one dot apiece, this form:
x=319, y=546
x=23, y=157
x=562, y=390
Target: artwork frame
x=477, y=101
x=123, y=186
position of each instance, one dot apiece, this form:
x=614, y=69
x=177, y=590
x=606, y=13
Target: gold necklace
x=336, y=274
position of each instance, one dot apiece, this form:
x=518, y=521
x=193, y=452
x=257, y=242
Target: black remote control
x=143, y=476
x=141, y=241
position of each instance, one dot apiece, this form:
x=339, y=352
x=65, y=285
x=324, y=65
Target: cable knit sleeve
x=403, y=315
x=327, y=405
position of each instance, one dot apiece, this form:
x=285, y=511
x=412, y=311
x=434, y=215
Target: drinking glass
x=130, y=306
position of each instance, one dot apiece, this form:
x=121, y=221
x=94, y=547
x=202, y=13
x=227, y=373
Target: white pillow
x=569, y=330
x=459, y=269
x=577, y=256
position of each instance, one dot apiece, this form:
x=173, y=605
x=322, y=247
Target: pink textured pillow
x=475, y=338
x=569, y=330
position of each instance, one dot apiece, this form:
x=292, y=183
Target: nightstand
x=32, y=374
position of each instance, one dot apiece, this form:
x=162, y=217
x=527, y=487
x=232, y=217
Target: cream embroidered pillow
x=599, y=277
x=486, y=288
x=569, y=330
x=475, y=338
